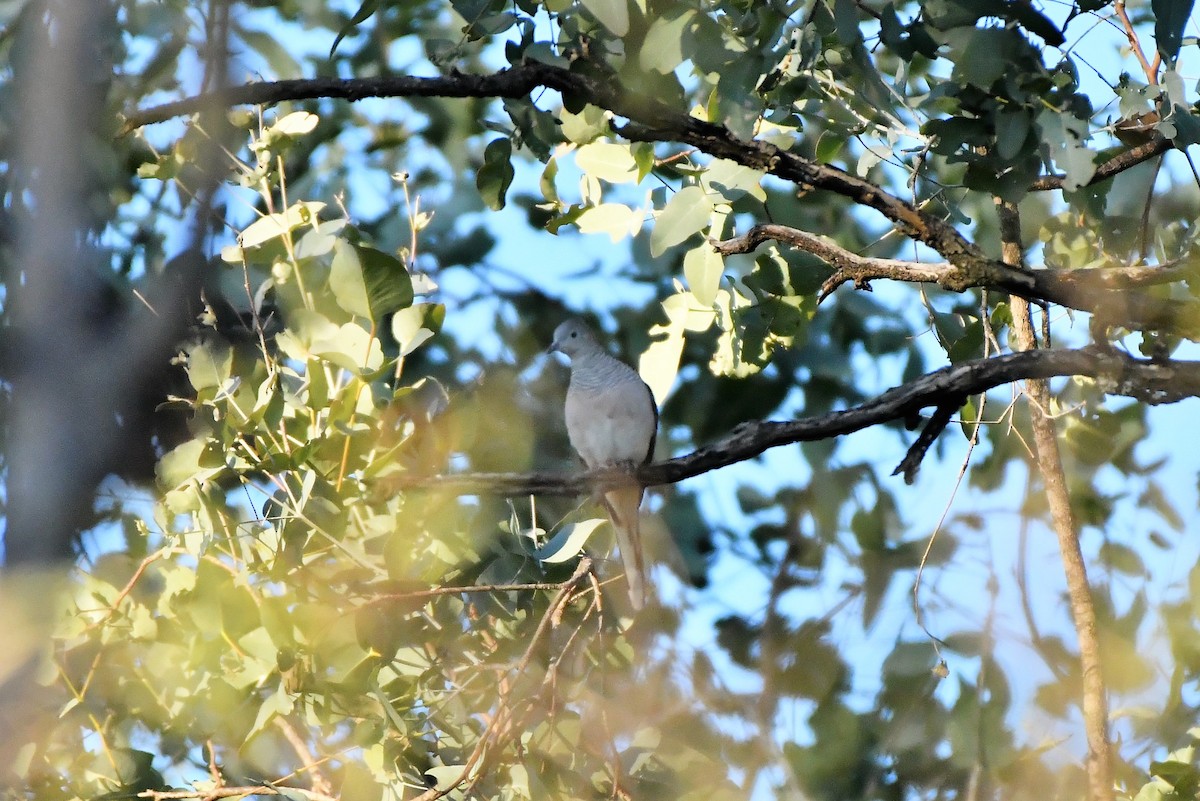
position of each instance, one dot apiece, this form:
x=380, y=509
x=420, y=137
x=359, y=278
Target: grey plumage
x=611, y=421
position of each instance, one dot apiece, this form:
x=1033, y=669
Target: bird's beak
x=553, y=348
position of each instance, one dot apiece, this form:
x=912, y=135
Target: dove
x=612, y=421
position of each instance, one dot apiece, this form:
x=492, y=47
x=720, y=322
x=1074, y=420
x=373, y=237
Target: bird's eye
x=574, y=334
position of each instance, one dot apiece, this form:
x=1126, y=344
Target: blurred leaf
x=608, y=162
x=686, y=213
x=662, y=49
x=1170, y=20
x=496, y=174
x=612, y=14
x=569, y=541
x=272, y=226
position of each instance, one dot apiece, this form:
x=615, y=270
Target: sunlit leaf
x=569, y=541
x=686, y=213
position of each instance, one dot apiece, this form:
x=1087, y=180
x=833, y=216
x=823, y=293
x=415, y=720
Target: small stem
x=1150, y=70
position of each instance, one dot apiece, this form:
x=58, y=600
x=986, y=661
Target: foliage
x=281, y=606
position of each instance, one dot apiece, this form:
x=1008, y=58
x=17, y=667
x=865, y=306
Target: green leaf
x=569, y=541
x=686, y=213
x=413, y=326
x=608, y=161
x=733, y=180
x=277, y=703
x=1063, y=134
x=703, y=268
x=1012, y=129
x=1035, y=21
x=272, y=226
x=297, y=123
x=209, y=366
x=496, y=174
x=659, y=363
x=182, y=465
x=612, y=14
x=350, y=347
x=1122, y=558
x=364, y=12
x=445, y=777
x=585, y=125
x=368, y=282
x=662, y=50
x=615, y=219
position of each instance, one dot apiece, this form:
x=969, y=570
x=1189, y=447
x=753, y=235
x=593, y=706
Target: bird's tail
x=623, y=505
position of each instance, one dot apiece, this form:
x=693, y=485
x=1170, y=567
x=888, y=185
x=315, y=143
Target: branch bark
x=1049, y=459
x=1114, y=166
x=1104, y=292
x=651, y=120
x=1119, y=374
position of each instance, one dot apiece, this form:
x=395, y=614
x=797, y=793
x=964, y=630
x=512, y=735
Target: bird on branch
x=612, y=421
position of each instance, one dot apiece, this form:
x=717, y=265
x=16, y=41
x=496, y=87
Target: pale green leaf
x=612, y=14
x=686, y=213
x=297, y=123
x=581, y=128
x=615, y=219
x=659, y=364
x=446, y=776
x=662, y=51
x=276, y=704
x=608, y=161
x=209, y=366
x=275, y=225
x=351, y=347
x=733, y=180
x=569, y=541
x=181, y=465
x=415, y=325
x=703, y=268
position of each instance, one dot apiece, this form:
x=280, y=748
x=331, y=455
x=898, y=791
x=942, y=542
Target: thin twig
x=311, y=765
x=1135, y=44
x=502, y=720
x=235, y=792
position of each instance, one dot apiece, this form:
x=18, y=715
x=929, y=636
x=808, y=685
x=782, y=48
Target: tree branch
x=1049, y=460
x=1102, y=291
x=1117, y=164
x=651, y=120
x=234, y=792
x=1119, y=374
x=850, y=266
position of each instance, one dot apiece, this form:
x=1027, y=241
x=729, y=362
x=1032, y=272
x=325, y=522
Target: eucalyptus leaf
x=569, y=541
x=686, y=213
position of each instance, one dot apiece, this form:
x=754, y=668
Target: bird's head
x=573, y=337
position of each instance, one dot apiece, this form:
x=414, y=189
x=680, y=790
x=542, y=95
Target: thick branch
x=1149, y=381
x=850, y=266
x=651, y=120
x=1101, y=291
